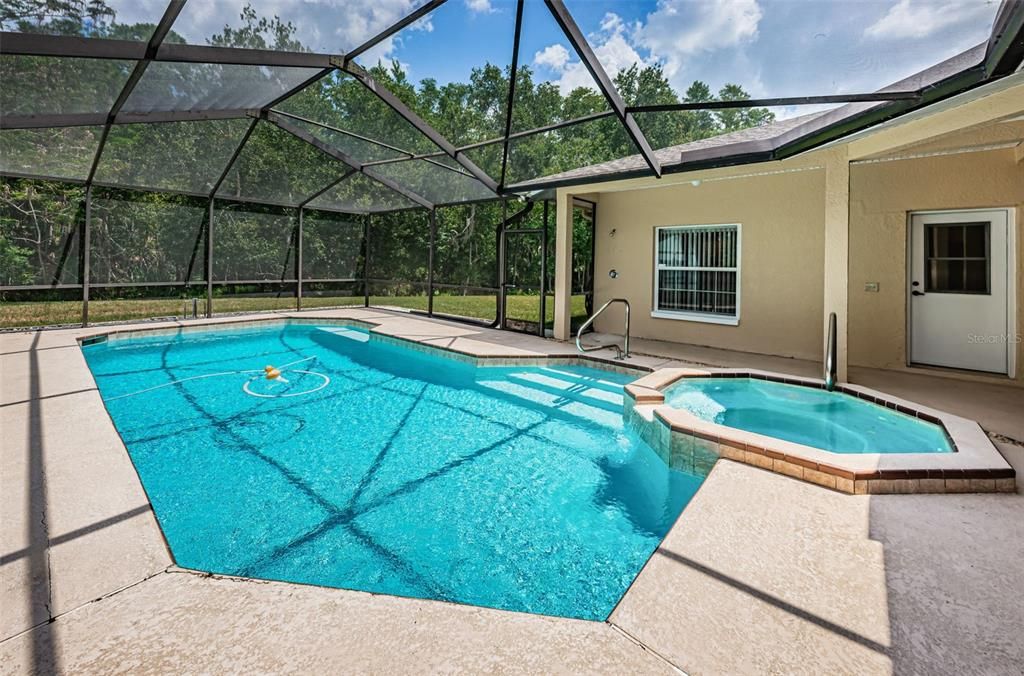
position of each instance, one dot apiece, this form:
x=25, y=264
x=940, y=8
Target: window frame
x=689, y=315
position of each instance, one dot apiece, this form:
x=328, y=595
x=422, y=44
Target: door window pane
x=957, y=258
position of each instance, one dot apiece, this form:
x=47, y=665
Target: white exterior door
x=958, y=290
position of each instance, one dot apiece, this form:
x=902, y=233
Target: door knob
x=916, y=293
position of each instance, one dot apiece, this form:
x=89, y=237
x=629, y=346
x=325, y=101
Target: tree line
x=155, y=236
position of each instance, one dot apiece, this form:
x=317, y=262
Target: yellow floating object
x=273, y=373
x=268, y=368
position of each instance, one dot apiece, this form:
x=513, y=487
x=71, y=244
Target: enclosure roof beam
x=330, y=151
x=513, y=76
x=785, y=101
x=408, y=19
x=174, y=7
x=604, y=83
x=421, y=125
x=73, y=46
x=1005, y=51
x=96, y=119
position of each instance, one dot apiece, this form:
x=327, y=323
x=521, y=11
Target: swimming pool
x=386, y=469
x=831, y=421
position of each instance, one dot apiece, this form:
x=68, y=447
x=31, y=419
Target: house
x=907, y=230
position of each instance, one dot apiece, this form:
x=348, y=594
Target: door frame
x=1011, y=286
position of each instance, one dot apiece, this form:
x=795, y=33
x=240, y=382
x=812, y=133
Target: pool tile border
x=379, y=333
x=686, y=442
x=975, y=466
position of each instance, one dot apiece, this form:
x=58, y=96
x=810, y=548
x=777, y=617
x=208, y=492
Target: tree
x=144, y=237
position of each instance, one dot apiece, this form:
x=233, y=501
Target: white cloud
x=611, y=46
x=678, y=29
x=553, y=56
x=915, y=19
x=481, y=6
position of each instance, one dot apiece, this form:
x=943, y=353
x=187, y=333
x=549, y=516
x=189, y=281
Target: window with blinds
x=697, y=272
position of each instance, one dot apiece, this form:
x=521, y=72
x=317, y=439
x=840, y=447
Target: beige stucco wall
x=881, y=197
x=781, y=219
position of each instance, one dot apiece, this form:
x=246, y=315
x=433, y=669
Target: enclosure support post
x=86, y=235
x=366, y=260
x=208, y=259
x=298, y=264
x=837, y=252
x=430, y=262
x=563, y=265
x=543, y=273
x=502, y=271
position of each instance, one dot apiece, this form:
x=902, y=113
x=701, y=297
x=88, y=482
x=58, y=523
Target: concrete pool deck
x=762, y=573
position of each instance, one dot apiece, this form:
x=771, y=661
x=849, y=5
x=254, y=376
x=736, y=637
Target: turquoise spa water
x=831, y=421
x=383, y=469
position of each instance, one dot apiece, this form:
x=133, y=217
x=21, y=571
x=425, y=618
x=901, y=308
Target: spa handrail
x=830, y=354
x=623, y=352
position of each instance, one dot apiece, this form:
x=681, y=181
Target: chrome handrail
x=830, y=354
x=623, y=352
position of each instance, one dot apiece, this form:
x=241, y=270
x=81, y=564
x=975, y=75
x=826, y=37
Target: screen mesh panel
x=112, y=19
x=253, y=245
x=332, y=250
x=275, y=166
x=139, y=238
x=435, y=183
x=163, y=155
x=40, y=85
x=553, y=85
x=568, y=148
x=465, y=261
x=341, y=101
x=39, y=233
x=477, y=44
x=40, y=307
x=398, y=247
x=120, y=303
x=211, y=86
x=467, y=245
x=361, y=194
x=60, y=152
x=356, y=147
x=325, y=26
x=331, y=247
x=261, y=297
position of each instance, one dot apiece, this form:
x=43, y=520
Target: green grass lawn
x=43, y=313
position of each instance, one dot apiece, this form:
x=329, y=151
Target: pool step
x=345, y=332
x=565, y=387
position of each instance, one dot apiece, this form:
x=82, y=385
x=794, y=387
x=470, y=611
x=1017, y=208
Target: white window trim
x=703, y=317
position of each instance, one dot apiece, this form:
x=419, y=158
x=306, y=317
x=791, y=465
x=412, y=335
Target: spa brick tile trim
x=991, y=475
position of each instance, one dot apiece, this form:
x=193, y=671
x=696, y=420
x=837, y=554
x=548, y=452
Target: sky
x=771, y=48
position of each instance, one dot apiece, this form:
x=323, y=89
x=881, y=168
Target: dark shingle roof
x=754, y=141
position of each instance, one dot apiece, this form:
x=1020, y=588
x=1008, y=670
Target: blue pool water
x=831, y=421
x=390, y=470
